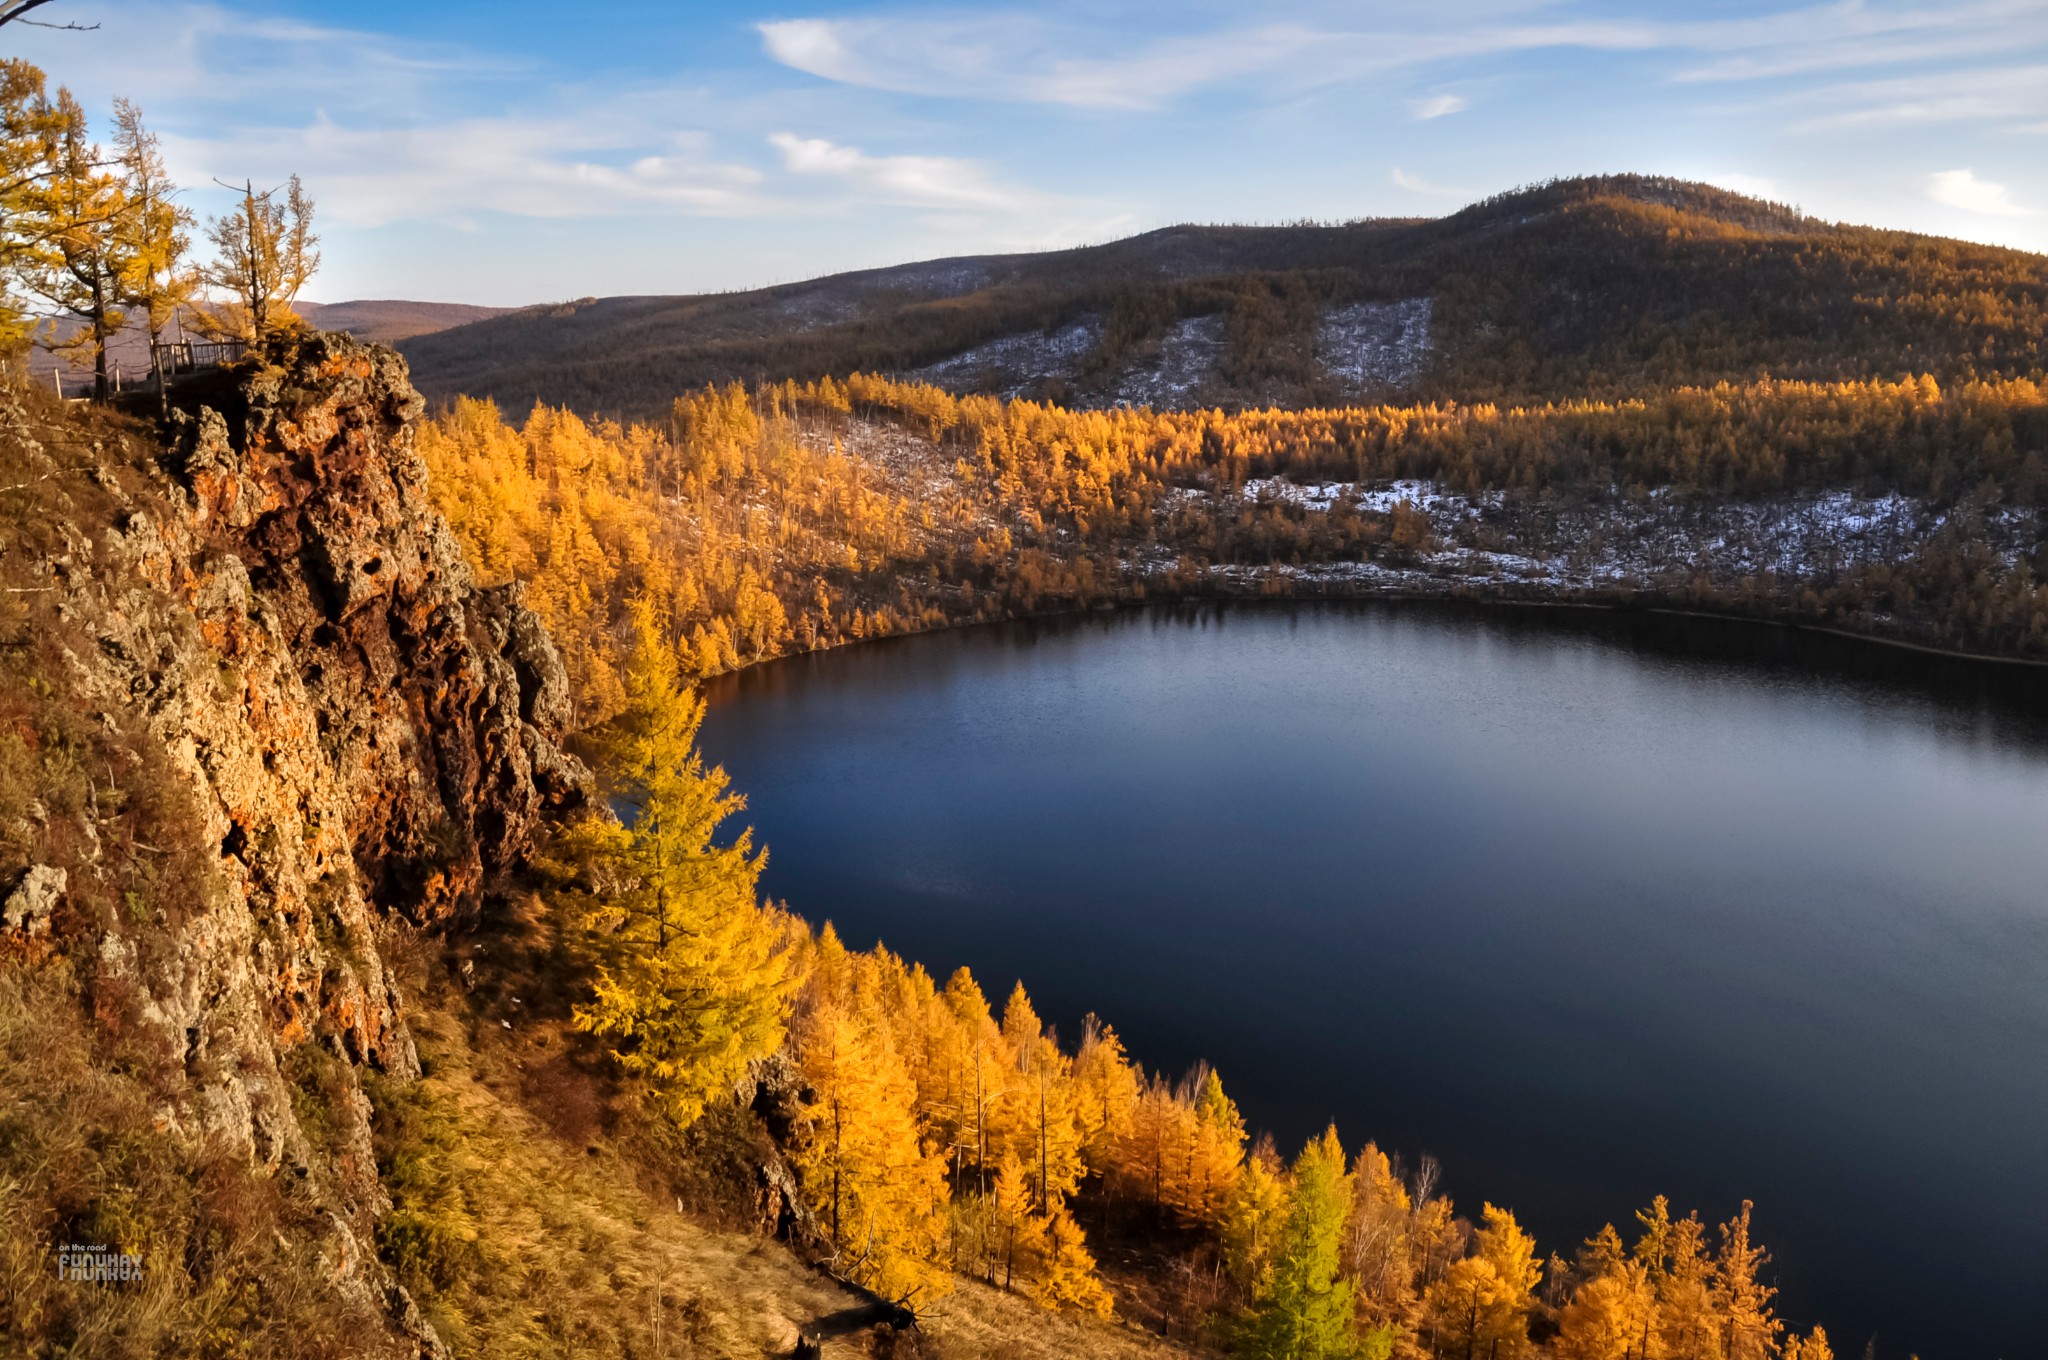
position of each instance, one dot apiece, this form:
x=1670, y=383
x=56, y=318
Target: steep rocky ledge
x=366, y=733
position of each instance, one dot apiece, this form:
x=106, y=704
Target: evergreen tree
x=83, y=255
x=1749, y=1330
x=1479, y=1308
x=1216, y=1152
x=1813, y=1346
x=153, y=230
x=1105, y=1094
x=1017, y=1226
x=1675, y=1252
x=1380, y=1247
x=1612, y=1314
x=32, y=129
x=1306, y=1313
x=1251, y=1225
x=1067, y=1278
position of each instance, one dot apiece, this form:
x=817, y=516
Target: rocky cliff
x=261, y=723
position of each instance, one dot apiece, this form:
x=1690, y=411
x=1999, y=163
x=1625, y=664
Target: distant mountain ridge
x=1595, y=286
x=386, y=321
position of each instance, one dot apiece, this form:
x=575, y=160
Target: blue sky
x=511, y=152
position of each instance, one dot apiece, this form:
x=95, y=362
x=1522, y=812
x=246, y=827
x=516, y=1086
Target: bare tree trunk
x=99, y=334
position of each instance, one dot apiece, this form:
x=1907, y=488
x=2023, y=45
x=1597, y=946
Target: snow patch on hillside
x=1621, y=538
x=937, y=278
x=1420, y=495
x=1375, y=344
x=1188, y=356
x=1011, y=364
x=813, y=308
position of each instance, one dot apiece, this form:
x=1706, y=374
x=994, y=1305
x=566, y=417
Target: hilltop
x=1587, y=287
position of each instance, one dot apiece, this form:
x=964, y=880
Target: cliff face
x=278, y=616
x=437, y=704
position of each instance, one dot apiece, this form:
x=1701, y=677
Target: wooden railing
x=168, y=362
x=193, y=356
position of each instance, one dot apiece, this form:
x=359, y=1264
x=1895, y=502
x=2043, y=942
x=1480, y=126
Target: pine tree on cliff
x=694, y=982
x=265, y=253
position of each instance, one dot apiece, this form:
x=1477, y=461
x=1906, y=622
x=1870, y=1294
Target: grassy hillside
x=1583, y=287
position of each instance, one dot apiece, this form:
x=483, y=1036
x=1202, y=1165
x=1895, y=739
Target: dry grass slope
x=536, y=1215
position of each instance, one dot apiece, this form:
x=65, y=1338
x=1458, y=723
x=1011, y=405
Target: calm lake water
x=1589, y=909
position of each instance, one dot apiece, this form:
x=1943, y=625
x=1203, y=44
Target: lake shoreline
x=1929, y=667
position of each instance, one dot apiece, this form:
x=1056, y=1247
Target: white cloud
x=1962, y=189
x=209, y=55
x=918, y=181
x=1416, y=184
x=1437, y=105
x=387, y=130
x=529, y=167
x=1031, y=57
x=1020, y=59
x=1852, y=34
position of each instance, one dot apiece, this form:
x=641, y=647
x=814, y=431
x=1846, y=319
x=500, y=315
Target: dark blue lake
x=1588, y=908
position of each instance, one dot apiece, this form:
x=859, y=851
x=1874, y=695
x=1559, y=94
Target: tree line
x=744, y=523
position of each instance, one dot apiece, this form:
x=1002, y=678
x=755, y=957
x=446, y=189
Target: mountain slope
x=379, y=322
x=1582, y=287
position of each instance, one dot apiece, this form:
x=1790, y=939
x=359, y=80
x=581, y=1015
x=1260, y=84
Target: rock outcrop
x=367, y=734
x=438, y=704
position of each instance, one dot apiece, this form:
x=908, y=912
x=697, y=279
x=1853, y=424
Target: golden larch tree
x=693, y=982
x=265, y=252
x=878, y=1194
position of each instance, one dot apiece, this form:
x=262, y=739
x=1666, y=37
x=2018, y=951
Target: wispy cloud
x=386, y=130
x=1031, y=58
x=1856, y=34
x=1438, y=105
x=1962, y=189
x=2009, y=94
x=532, y=167
x=916, y=181
x=205, y=55
x=1416, y=184
x=1019, y=59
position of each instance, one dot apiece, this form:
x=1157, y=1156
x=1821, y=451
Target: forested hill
x=1590, y=287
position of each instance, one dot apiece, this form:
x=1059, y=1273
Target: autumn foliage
x=744, y=523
